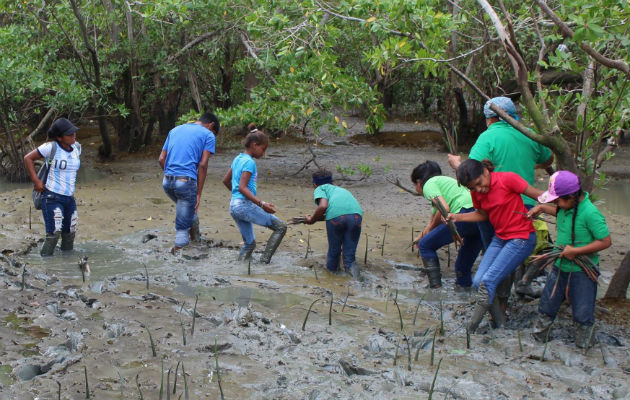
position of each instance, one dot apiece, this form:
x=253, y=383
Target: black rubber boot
x=480, y=309
x=246, y=252
x=195, y=233
x=502, y=294
x=496, y=313
x=542, y=327
x=279, y=229
x=48, y=248
x=67, y=241
x=432, y=265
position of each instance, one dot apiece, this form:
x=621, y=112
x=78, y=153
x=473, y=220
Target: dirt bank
x=59, y=325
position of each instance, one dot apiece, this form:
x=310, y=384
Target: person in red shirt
x=496, y=197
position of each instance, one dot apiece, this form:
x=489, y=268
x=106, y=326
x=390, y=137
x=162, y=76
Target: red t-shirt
x=503, y=203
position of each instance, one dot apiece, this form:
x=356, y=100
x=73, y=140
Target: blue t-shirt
x=184, y=147
x=243, y=162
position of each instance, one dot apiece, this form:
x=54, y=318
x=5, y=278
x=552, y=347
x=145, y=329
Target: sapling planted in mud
x=330, y=309
x=138, y=386
x=421, y=344
x=87, y=387
x=192, y=330
x=396, y=353
x=151, y=341
x=345, y=300
x=216, y=359
x=249, y=267
x=186, y=397
x=434, y=379
x=162, y=381
x=520, y=343
x=308, y=312
x=408, y=353
x=315, y=272
x=441, y=319
x=433, y=347
x=59, y=390
x=308, y=244
x=122, y=386
x=366, y=249
x=542, y=358
x=146, y=274
x=468, y=338
x=24, y=277
x=383, y=244
x=181, y=323
x=175, y=379
x=399, y=315
x=415, y=314
x=168, y=385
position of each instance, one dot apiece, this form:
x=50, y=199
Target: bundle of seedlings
x=297, y=220
x=583, y=261
x=457, y=239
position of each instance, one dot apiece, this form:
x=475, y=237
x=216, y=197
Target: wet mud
x=144, y=316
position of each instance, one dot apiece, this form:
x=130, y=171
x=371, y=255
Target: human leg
x=492, y=251
x=582, y=293
x=69, y=224
x=428, y=245
x=351, y=238
x=334, y=231
x=467, y=253
x=239, y=210
x=184, y=193
x=52, y=211
x=279, y=230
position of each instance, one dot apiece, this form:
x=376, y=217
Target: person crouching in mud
x=496, y=197
x=343, y=216
x=58, y=205
x=245, y=207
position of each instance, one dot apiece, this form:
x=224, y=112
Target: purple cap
x=561, y=183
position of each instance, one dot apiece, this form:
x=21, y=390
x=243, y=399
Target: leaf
x=345, y=125
x=369, y=20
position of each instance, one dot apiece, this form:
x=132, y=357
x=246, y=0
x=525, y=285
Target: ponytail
x=255, y=136
x=472, y=169
x=576, y=203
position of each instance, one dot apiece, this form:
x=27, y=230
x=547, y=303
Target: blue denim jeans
x=183, y=191
x=576, y=287
x=344, y=232
x=501, y=258
x=246, y=214
x=441, y=236
x=60, y=212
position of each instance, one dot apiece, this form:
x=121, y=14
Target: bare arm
x=242, y=187
x=29, y=163
x=227, y=180
x=454, y=161
x=202, y=171
x=571, y=252
x=542, y=208
x=435, y=220
x=532, y=192
x=475, y=216
x=162, y=159
x=320, y=212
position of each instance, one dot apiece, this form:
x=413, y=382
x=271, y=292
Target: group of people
x=491, y=203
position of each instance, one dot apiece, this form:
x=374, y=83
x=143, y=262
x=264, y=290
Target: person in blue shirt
x=63, y=155
x=184, y=159
x=245, y=207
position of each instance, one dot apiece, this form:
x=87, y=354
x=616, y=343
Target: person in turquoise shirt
x=582, y=230
x=343, y=216
x=430, y=183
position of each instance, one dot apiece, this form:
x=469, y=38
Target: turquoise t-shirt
x=243, y=162
x=340, y=201
x=456, y=196
x=510, y=151
x=590, y=225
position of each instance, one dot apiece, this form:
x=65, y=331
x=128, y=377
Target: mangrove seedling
x=468, y=338
x=181, y=323
x=383, y=244
x=308, y=312
x=415, y=314
x=520, y=343
x=151, y=341
x=399, y=315
x=434, y=379
x=87, y=387
x=216, y=359
x=408, y=353
x=308, y=244
x=138, y=386
x=542, y=358
x=345, y=300
x=175, y=379
x=146, y=274
x=330, y=309
x=162, y=381
x=192, y=330
x=186, y=397
x=433, y=347
x=59, y=390
x=366, y=249
x=168, y=385
x=441, y=319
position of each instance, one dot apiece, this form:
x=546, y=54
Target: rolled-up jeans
x=500, y=259
x=183, y=191
x=246, y=214
x=343, y=231
x=59, y=211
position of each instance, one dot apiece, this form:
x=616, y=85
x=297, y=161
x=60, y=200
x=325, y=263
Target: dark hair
x=322, y=176
x=471, y=169
x=252, y=127
x=209, y=117
x=255, y=136
x=425, y=171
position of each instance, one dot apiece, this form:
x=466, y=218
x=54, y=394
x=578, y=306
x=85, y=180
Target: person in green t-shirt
x=343, y=216
x=582, y=232
x=430, y=183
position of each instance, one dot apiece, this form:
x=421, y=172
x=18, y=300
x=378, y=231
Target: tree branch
x=41, y=125
x=192, y=43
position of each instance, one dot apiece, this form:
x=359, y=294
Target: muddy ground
x=383, y=337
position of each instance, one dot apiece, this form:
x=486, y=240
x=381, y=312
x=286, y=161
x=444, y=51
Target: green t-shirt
x=340, y=201
x=590, y=225
x=457, y=197
x=510, y=151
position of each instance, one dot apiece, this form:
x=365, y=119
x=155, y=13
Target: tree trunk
x=621, y=279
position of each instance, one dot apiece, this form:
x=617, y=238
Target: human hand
x=39, y=186
x=570, y=252
x=454, y=160
x=451, y=217
x=534, y=211
x=309, y=220
x=197, y=202
x=269, y=207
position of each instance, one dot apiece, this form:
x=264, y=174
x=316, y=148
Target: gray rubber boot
x=584, y=335
x=67, y=241
x=432, y=265
x=502, y=294
x=279, y=229
x=246, y=252
x=48, y=248
x=480, y=309
x=542, y=327
x=195, y=233
x=353, y=269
